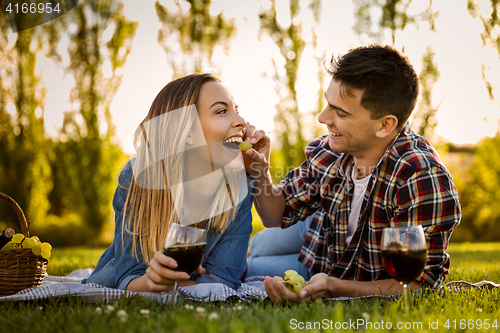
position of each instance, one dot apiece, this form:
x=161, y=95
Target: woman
x=188, y=170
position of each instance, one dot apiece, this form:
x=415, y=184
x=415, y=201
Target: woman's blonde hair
x=151, y=210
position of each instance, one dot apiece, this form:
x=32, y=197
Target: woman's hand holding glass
x=160, y=275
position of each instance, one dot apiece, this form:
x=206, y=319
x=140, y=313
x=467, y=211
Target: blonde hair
x=151, y=210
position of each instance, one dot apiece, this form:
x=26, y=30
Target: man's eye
x=340, y=114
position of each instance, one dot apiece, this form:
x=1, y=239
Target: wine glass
x=404, y=253
x=186, y=245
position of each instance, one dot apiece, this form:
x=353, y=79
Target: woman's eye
x=221, y=111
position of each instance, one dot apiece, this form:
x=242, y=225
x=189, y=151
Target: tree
x=424, y=119
x=393, y=17
x=24, y=164
x=490, y=35
x=196, y=32
x=290, y=143
x=87, y=159
x=479, y=188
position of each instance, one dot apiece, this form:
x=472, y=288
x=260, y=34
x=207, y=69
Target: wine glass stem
x=174, y=294
x=406, y=297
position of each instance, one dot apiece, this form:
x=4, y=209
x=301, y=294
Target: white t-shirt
x=360, y=186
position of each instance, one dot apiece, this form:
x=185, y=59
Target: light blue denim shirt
x=225, y=254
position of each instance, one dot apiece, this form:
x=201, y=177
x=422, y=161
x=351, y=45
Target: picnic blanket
x=70, y=285
x=251, y=290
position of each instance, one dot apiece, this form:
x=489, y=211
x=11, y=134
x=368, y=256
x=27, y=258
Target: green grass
x=470, y=262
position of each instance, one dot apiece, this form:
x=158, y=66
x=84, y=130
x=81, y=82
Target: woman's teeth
x=234, y=139
x=232, y=143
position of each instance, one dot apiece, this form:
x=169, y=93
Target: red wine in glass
x=404, y=254
x=404, y=266
x=188, y=257
x=186, y=245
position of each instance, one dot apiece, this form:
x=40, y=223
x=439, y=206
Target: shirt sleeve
x=127, y=267
x=302, y=194
x=429, y=198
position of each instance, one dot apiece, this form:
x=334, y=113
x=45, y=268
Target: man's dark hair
x=386, y=77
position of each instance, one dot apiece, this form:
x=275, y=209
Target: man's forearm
x=338, y=288
x=269, y=202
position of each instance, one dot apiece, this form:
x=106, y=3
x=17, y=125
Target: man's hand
x=278, y=293
x=257, y=158
x=317, y=287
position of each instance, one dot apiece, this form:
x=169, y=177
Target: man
x=370, y=172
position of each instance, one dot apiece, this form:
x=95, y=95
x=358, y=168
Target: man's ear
x=387, y=126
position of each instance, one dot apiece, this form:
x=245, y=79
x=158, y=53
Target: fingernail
x=253, y=140
x=184, y=276
x=249, y=152
x=303, y=293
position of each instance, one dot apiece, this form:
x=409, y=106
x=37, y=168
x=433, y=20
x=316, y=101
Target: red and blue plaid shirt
x=410, y=185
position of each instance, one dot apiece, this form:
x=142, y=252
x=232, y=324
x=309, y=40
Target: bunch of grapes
x=38, y=248
x=293, y=281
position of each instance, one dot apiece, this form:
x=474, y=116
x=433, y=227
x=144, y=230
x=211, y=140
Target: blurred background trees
x=65, y=182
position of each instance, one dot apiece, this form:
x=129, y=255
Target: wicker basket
x=20, y=268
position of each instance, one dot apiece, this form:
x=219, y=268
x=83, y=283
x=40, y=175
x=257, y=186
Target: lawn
x=467, y=311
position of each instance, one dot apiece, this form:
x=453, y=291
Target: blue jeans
x=276, y=250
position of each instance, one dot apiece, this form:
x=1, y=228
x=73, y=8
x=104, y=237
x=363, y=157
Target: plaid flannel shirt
x=409, y=185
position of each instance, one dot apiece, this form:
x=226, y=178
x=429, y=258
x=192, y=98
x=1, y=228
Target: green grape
x=28, y=243
x=36, y=240
x=290, y=273
x=37, y=250
x=46, y=247
x=17, y=238
x=297, y=279
x=297, y=287
x=46, y=254
x=245, y=145
x=8, y=246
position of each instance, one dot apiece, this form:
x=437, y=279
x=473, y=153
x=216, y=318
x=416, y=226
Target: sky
x=466, y=114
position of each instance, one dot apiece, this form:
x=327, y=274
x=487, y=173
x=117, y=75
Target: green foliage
x=393, y=17
x=86, y=158
x=196, y=32
x=490, y=35
x=26, y=174
x=479, y=189
x=424, y=117
x=288, y=121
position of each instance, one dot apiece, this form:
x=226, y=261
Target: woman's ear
x=387, y=126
